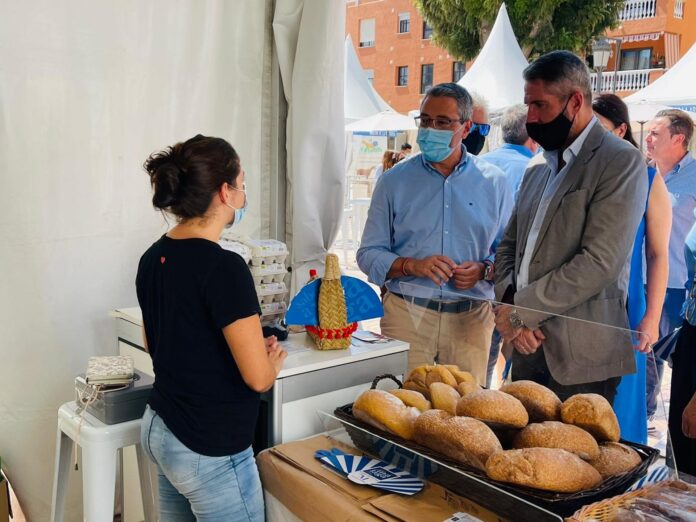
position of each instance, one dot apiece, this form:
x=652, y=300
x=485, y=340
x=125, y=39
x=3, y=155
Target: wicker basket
x=607, y=510
x=333, y=331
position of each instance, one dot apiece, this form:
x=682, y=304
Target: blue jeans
x=197, y=487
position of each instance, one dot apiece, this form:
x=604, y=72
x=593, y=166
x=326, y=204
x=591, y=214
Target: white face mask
x=238, y=212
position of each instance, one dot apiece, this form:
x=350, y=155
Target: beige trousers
x=463, y=339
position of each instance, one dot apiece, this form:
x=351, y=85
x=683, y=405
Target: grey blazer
x=579, y=267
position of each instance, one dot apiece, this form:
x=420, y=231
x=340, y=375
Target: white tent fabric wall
x=309, y=42
x=675, y=87
x=90, y=89
x=497, y=71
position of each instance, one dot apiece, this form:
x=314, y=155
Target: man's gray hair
x=679, y=123
x=563, y=72
x=513, y=125
x=479, y=101
x=457, y=93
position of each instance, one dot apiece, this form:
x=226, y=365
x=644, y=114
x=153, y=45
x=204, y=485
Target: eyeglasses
x=436, y=123
x=484, y=128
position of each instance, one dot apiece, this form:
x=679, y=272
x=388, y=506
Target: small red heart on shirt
x=162, y=259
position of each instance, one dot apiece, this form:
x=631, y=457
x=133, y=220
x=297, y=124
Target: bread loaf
x=552, y=434
x=615, y=458
x=412, y=398
x=540, y=402
x=494, y=407
x=463, y=439
x=460, y=375
x=383, y=410
x=416, y=380
x=592, y=413
x=465, y=387
x=444, y=397
x=543, y=468
x=440, y=374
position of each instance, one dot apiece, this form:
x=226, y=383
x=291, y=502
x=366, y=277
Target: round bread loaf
x=593, y=413
x=543, y=468
x=383, y=410
x=465, y=387
x=444, y=397
x=540, y=402
x=463, y=439
x=495, y=407
x=440, y=374
x=412, y=398
x=615, y=458
x=414, y=386
x=553, y=434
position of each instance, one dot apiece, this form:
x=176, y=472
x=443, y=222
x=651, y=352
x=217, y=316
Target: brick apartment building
x=394, y=47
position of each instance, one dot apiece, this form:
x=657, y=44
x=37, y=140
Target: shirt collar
x=518, y=148
x=687, y=160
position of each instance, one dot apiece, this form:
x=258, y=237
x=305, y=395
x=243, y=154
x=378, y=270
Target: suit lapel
x=577, y=169
x=535, y=190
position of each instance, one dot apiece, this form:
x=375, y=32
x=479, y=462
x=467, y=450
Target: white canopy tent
x=90, y=89
x=383, y=121
x=497, y=71
x=361, y=99
x=675, y=87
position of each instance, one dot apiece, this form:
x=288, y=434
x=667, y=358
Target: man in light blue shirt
x=432, y=229
x=517, y=149
x=667, y=144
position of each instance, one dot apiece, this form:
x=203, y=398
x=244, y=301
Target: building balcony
x=626, y=81
x=638, y=10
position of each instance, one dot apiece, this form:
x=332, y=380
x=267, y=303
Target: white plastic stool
x=100, y=444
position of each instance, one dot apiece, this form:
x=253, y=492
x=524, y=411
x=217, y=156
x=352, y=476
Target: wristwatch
x=488, y=271
x=515, y=319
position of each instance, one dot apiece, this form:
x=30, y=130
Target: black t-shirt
x=189, y=290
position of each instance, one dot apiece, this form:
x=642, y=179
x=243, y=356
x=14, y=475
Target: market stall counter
x=310, y=380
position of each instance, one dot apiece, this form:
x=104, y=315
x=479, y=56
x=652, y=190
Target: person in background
x=202, y=329
x=512, y=158
x=406, y=150
x=476, y=139
x=682, y=402
x=517, y=149
x=566, y=249
x=650, y=249
x=388, y=161
x=667, y=145
x=434, y=223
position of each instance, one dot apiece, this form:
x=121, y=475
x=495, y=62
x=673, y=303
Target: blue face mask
x=238, y=212
x=435, y=144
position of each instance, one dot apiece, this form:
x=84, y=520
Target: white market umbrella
x=383, y=121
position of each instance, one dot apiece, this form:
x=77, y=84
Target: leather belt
x=449, y=307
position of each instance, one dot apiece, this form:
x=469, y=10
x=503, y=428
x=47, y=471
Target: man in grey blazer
x=566, y=249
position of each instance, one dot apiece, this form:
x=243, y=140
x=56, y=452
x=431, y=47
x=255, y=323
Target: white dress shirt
x=553, y=180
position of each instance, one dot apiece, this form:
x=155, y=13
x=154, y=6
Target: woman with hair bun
x=644, y=310
x=202, y=329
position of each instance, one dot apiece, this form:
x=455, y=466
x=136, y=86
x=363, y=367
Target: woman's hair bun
x=165, y=177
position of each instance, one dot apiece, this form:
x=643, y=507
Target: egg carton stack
x=266, y=259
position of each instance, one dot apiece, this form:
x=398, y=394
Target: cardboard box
x=313, y=492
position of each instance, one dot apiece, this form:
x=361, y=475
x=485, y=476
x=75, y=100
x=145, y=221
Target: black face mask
x=474, y=142
x=551, y=135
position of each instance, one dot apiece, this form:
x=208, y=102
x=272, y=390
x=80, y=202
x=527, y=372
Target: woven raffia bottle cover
x=334, y=332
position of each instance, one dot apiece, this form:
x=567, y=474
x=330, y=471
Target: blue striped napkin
x=370, y=472
x=656, y=473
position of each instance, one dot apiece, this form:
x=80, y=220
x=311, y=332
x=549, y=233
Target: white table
x=310, y=380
